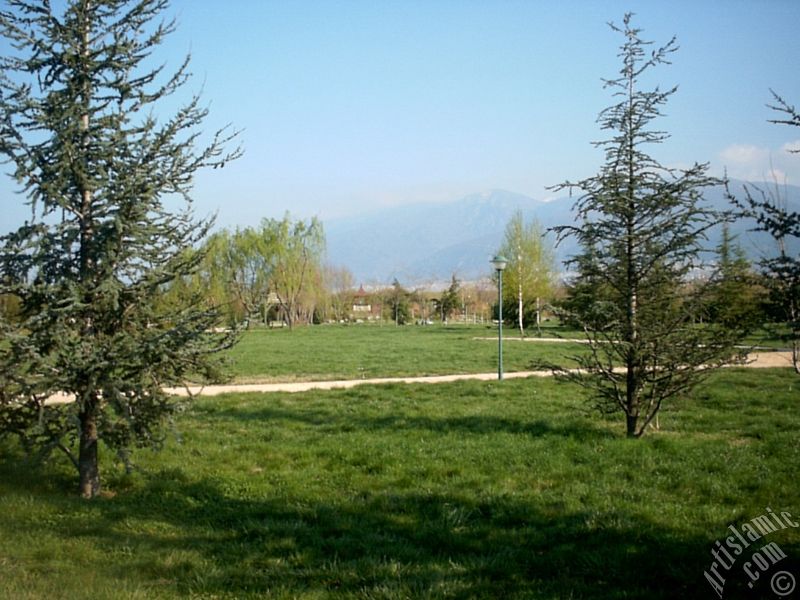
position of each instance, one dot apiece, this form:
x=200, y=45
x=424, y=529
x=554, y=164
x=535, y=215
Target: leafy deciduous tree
x=528, y=277
x=236, y=271
x=299, y=248
x=340, y=285
x=253, y=270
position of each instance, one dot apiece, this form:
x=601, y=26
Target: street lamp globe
x=499, y=262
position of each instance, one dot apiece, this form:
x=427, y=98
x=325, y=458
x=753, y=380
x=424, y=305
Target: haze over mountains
x=426, y=243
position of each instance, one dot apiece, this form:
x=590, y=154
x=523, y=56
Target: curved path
x=756, y=360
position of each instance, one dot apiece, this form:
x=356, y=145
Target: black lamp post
x=499, y=262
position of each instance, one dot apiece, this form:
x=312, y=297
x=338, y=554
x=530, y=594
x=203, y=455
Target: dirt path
x=765, y=360
x=757, y=360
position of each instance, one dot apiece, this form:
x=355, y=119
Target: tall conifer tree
x=101, y=170
x=641, y=227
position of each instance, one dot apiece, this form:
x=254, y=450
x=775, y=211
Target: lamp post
x=499, y=262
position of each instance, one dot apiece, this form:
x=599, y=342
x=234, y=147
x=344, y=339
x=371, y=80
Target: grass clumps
x=470, y=489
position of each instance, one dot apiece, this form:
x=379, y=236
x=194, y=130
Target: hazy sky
x=349, y=105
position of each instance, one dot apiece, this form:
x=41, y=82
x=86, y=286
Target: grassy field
x=465, y=490
x=364, y=351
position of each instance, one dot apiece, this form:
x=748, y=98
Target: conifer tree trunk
x=88, y=467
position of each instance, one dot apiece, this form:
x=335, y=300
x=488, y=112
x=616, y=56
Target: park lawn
x=465, y=490
x=769, y=336
x=363, y=351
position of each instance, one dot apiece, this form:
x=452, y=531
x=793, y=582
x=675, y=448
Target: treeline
x=275, y=273
x=458, y=302
x=271, y=272
x=730, y=291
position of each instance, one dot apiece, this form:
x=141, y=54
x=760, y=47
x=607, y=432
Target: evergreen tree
x=641, y=227
x=451, y=300
x=586, y=305
x=78, y=106
x=733, y=294
x=397, y=300
x=781, y=270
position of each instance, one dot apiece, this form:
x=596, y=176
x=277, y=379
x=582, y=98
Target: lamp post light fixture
x=499, y=263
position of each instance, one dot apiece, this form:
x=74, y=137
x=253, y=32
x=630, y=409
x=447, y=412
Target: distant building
x=364, y=307
x=361, y=303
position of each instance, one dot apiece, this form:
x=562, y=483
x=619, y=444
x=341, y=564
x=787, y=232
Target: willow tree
x=239, y=264
x=340, y=287
x=296, y=276
x=108, y=185
x=641, y=227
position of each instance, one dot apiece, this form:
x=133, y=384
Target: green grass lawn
x=364, y=351
x=464, y=490
x=367, y=350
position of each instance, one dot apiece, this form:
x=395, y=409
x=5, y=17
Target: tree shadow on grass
x=199, y=537
x=328, y=421
x=413, y=544
x=181, y=534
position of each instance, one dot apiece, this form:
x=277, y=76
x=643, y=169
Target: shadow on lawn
x=416, y=545
x=387, y=545
x=327, y=421
x=217, y=538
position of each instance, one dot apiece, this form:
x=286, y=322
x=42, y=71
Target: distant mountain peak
x=427, y=240
x=430, y=241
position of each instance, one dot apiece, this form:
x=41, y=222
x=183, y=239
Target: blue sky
x=347, y=105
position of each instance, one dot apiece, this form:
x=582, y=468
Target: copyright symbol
x=782, y=583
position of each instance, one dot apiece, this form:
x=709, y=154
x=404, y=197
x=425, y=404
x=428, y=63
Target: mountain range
x=429, y=242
